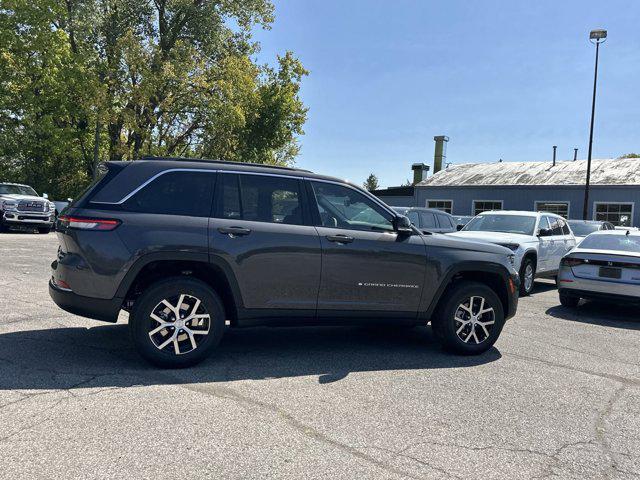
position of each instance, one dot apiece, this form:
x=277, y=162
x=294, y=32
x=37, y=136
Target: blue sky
x=503, y=79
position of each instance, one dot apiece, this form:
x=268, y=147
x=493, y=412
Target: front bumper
x=513, y=295
x=95, y=308
x=36, y=219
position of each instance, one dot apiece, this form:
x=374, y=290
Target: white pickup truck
x=21, y=206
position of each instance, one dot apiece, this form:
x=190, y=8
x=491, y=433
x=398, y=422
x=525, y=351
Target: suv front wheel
x=527, y=276
x=177, y=322
x=469, y=318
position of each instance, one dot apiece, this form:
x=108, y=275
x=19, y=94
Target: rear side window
x=107, y=172
x=260, y=198
x=556, y=228
x=565, y=228
x=428, y=220
x=175, y=193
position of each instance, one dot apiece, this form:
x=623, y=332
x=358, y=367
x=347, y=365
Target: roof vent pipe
x=420, y=171
x=575, y=154
x=440, y=153
x=555, y=147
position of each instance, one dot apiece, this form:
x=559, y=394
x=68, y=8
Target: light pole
x=596, y=37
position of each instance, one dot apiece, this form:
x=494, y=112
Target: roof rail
x=225, y=162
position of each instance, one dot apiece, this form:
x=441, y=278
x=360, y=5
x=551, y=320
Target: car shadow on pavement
x=541, y=286
x=599, y=313
x=102, y=356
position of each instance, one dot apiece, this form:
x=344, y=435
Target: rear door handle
x=234, y=231
x=340, y=238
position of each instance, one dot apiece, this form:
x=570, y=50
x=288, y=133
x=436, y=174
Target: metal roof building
x=468, y=189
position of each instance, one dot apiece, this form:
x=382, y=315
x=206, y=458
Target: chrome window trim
x=240, y=172
x=148, y=181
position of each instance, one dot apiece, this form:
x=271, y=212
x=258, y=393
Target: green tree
x=83, y=81
x=371, y=183
x=630, y=155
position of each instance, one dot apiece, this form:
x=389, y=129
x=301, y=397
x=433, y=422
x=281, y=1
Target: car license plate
x=608, y=272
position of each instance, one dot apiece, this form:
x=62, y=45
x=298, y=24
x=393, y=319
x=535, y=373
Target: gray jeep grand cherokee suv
x=186, y=246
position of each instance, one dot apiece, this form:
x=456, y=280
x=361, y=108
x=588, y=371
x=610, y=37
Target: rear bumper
x=605, y=297
x=95, y=308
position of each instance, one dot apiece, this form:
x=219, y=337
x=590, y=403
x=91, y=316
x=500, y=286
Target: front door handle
x=340, y=238
x=234, y=231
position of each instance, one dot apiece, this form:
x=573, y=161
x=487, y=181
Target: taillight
x=83, y=223
x=571, y=261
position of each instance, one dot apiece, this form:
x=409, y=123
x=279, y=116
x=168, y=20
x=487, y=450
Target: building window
x=620, y=214
x=559, y=208
x=480, y=206
x=444, y=205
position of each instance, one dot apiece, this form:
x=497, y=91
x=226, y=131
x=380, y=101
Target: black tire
x=569, y=301
x=44, y=230
x=141, y=323
x=451, y=332
x=3, y=227
x=525, y=287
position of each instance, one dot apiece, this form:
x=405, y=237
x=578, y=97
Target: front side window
x=554, y=224
x=428, y=220
x=480, y=206
x=344, y=207
x=175, y=193
x=444, y=221
x=444, y=205
x=616, y=213
x=413, y=216
x=501, y=223
x=559, y=208
x=260, y=198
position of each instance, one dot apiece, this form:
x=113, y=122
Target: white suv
x=538, y=239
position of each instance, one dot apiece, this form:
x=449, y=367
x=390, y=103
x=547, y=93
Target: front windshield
x=624, y=243
x=17, y=190
x=501, y=223
x=584, y=229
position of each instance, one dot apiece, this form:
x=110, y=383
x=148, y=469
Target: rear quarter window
x=175, y=193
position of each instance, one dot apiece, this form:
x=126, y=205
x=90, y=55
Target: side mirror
x=44, y=195
x=459, y=227
x=544, y=232
x=402, y=224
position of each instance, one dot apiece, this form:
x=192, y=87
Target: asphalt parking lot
x=558, y=396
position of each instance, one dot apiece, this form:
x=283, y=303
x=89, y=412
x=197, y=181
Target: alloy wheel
x=179, y=324
x=473, y=321
x=528, y=277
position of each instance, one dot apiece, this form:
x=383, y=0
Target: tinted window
x=344, y=207
x=444, y=221
x=413, y=216
x=582, y=229
x=428, y=220
x=175, y=193
x=260, y=198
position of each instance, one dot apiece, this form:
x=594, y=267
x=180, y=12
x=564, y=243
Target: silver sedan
x=605, y=266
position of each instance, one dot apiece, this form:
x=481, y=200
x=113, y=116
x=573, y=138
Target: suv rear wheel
x=177, y=322
x=469, y=318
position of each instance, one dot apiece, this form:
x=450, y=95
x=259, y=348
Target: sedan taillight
x=82, y=223
x=571, y=261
